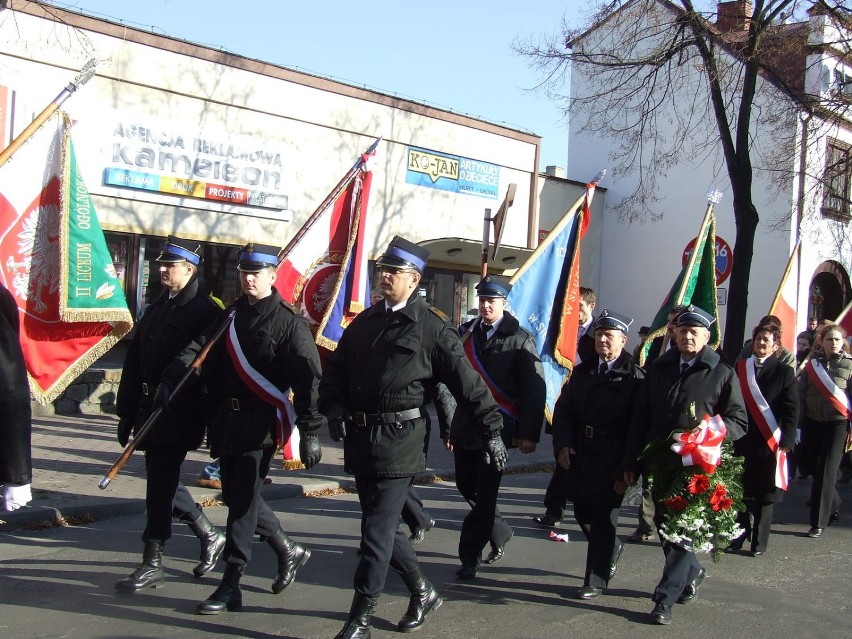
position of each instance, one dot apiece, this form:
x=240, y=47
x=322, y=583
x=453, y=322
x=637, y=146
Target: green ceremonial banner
x=695, y=284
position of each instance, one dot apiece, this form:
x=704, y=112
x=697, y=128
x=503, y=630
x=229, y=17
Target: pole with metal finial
x=80, y=79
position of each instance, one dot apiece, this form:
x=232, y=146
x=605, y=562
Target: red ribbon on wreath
x=702, y=446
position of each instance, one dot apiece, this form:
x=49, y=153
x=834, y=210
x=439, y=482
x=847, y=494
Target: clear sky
x=454, y=54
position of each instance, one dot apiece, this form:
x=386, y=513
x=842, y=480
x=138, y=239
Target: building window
x=842, y=83
x=838, y=177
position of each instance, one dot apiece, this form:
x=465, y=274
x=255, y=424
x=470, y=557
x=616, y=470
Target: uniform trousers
x=554, y=497
x=756, y=520
x=680, y=569
x=383, y=543
x=413, y=513
x=827, y=440
x=479, y=484
x=248, y=513
x=165, y=496
x=599, y=524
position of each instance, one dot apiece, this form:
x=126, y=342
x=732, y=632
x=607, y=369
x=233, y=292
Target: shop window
x=838, y=179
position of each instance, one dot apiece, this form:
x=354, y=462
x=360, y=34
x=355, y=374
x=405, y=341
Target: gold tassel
x=292, y=464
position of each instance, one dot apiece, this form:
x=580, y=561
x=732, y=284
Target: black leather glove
x=310, y=450
x=125, y=427
x=161, y=398
x=338, y=419
x=495, y=454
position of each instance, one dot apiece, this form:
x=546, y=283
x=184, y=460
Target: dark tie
x=388, y=313
x=603, y=369
x=484, y=328
x=683, y=368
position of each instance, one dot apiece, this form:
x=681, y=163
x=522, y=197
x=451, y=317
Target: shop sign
x=452, y=173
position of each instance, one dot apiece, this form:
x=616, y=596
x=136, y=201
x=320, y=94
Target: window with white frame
x=838, y=178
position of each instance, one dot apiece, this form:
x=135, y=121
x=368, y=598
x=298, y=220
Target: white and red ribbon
x=827, y=388
x=285, y=415
x=702, y=446
x=758, y=409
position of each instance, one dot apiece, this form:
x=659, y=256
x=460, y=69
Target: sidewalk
x=72, y=454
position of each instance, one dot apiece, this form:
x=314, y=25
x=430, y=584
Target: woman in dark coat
x=768, y=382
x=16, y=465
x=590, y=424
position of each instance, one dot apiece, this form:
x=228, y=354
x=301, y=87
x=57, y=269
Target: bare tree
x=657, y=72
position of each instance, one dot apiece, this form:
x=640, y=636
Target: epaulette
x=439, y=313
x=290, y=307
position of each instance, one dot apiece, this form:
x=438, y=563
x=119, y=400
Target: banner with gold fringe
x=56, y=263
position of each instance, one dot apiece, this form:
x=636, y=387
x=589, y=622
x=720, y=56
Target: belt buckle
x=360, y=420
x=235, y=404
x=144, y=388
x=590, y=432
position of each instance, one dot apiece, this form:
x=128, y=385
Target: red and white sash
x=828, y=389
x=759, y=411
x=285, y=415
x=503, y=400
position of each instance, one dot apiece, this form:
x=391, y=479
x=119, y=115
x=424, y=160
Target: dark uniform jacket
x=777, y=383
x=511, y=361
x=278, y=344
x=663, y=404
x=387, y=366
x=16, y=465
x=592, y=416
x=586, y=345
x=166, y=327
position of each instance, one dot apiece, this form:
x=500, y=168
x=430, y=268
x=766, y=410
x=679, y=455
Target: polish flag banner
x=56, y=263
x=324, y=272
x=785, y=303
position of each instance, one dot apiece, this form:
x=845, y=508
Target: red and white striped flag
x=785, y=303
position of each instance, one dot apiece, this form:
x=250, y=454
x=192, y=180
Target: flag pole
x=786, y=274
x=331, y=197
x=79, y=80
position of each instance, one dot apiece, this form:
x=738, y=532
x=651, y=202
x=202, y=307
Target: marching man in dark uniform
x=267, y=350
x=682, y=383
x=506, y=357
x=373, y=388
x=591, y=421
x=167, y=326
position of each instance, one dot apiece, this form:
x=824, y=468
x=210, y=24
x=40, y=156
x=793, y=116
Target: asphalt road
x=58, y=582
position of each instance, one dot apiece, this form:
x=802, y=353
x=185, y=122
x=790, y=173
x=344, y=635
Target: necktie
x=683, y=368
x=603, y=369
x=388, y=313
x=484, y=328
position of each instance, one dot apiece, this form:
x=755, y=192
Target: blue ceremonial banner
x=545, y=292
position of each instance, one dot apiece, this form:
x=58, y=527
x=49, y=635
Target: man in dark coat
x=506, y=356
x=776, y=389
x=682, y=383
x=267, y=350
x=554, y=496
x=590, y=424
x=16, y=462
x=168, y=325
x=373, y=388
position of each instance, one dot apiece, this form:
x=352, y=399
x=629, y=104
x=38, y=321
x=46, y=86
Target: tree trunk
x=746, y=218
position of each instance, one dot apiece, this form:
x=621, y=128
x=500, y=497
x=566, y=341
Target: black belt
x=600, y=433
x=363, y=420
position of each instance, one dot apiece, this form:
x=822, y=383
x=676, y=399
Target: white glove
x=16, y=496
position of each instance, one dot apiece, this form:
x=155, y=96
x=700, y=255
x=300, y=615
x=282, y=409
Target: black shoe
x=814, y=532
x=548, y=521
x=737, y=544
x=691, y=591
x=589, y=592
x=757, y=553
x=212, y=544
x=613, y=562
x=420, y=533
x=148, y=575
x=291, y=557
x=497, y=552
x=834, y=518
x=466, y=571
x=424, y=599
x=637, y=536
x=662, y=614
x=227, y=596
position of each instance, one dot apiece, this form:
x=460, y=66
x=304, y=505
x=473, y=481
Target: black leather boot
x=212, y=544
x=358, y=624
x=424, y=599
x=150, y=574
x=291, y=556
x=228, y=595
